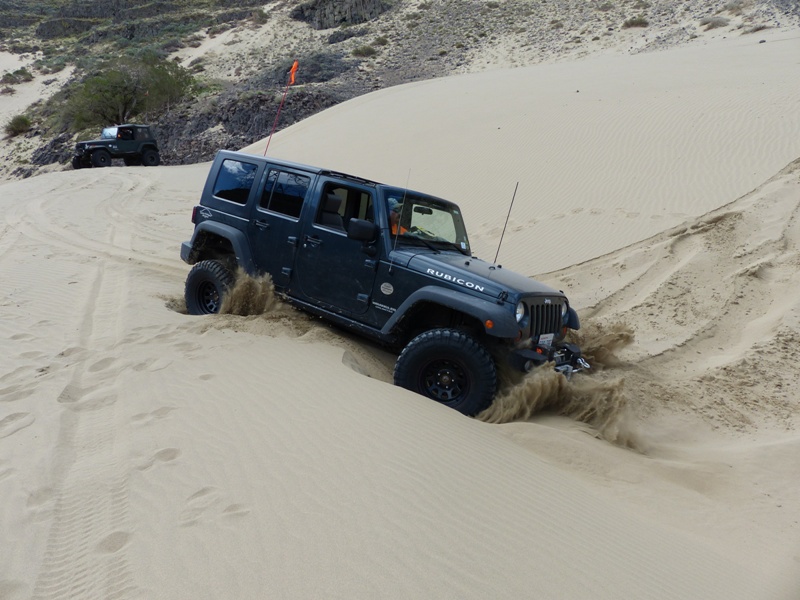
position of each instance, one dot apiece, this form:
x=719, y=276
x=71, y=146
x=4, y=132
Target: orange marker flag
x=292, y=72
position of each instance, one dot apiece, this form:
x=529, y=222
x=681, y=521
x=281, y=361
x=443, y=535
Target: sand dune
x=145, y=453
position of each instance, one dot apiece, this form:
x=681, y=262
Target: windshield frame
x=416, y=209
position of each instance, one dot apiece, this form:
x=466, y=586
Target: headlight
x=564, y=309
x=520, y=311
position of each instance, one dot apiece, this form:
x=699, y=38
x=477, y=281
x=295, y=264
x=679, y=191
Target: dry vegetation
x=244, y=51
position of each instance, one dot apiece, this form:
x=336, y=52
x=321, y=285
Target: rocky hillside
x=242, y=52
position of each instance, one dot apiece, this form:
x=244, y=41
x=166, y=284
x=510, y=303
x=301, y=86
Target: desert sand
x=146, y=453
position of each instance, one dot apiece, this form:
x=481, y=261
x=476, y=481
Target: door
x=335, y=271
x=274, y=226
x=125, y=141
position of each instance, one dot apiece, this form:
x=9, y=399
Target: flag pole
x=285, y=91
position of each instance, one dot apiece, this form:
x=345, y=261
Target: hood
x=87, y=142
x=478, y=275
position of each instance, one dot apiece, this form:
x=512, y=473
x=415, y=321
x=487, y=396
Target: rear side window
x=285, y=192
x=234, y=180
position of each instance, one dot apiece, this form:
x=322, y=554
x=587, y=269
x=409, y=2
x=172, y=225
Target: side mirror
x=361, y=230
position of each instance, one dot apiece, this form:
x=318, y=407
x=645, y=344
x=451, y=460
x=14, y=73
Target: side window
x=348, y=203
x=285, y=192
x=142, y=133
x=234, y=180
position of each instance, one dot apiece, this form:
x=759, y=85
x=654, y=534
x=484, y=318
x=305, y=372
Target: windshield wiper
x=452, y=245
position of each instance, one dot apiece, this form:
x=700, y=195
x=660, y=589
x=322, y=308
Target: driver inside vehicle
x=395, y=210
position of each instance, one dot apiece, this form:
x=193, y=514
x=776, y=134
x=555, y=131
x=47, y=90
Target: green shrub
x=635, y=22
x=736, y=7
x=19, y=76
x=124, y=89
x=364, y=51
x=714, y=22
x=18, y=125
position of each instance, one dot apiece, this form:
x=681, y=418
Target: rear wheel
x=150, y=158
x=206, y=286
x=101, y=158
x=448, y=366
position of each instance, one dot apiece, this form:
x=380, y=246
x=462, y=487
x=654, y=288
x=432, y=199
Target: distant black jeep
x=387, y=263
x=134, y=144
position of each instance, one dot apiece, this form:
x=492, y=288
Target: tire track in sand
x=85, y=555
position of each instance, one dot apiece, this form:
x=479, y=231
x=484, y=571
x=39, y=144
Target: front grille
x=545, y=318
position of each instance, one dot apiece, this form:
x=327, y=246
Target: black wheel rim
x=444, y=380
x=208, y=297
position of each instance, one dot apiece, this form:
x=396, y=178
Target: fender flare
x=573, y=322
x=505, y=323
x=236, y=237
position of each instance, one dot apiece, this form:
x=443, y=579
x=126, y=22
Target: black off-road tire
x=76, y=163
x=150, y=158
x=101, y=158
x=448, y=366
x=206, y=286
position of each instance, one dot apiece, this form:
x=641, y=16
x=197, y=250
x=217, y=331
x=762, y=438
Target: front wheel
x=206, y=285
x=101, y=158
x=450, y=367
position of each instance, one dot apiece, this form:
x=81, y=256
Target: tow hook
x=568, y=370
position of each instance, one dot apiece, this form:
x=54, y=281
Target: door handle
x=312, y=241
x=262, y=225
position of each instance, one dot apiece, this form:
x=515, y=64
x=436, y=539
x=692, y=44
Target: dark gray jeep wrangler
x=388, y=263
x=134, y=144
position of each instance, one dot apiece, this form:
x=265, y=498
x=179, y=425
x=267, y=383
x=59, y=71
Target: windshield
x=414, y=218
x=109, y=133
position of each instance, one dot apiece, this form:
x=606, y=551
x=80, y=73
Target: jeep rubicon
x=134, y=144
x=388, y=263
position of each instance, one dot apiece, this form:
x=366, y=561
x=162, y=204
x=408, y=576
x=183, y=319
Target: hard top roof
x=296, y=165
x=321, y=171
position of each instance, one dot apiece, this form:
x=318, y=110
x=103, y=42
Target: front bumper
x=566, y=358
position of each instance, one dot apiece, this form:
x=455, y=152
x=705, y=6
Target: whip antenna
x=506, y=224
